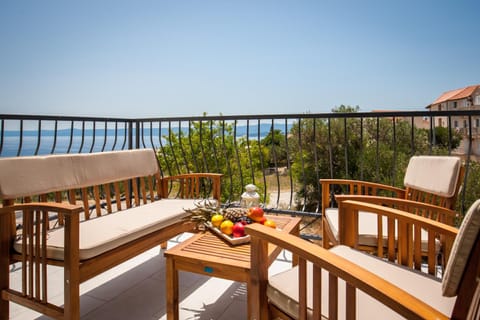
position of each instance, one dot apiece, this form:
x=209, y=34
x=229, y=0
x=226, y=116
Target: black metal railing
x=285, y=155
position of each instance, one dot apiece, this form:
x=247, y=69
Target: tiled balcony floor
x=136, y=290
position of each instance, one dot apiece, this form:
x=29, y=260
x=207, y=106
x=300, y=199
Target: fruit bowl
x=230, y=239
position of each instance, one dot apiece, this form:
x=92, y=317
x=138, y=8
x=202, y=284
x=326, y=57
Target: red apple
x=238, y=230
x=255, y=213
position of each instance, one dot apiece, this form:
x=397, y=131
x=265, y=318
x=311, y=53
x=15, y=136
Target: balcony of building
x=284, y=155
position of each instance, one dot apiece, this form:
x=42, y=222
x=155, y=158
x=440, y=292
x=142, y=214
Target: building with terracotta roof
x=467, y=98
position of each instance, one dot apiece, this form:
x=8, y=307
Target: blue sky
x=179, y=58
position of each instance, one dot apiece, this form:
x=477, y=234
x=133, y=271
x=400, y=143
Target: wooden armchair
x=346, y=283
x=434, y=180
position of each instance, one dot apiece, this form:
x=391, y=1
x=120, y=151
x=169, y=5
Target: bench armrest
x=357, y=277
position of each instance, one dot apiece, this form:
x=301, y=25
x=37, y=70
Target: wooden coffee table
x=208, y=254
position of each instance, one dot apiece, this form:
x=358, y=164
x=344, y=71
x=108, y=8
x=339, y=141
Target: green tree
x=275, y=145
x=211, y=146
x=375, y=149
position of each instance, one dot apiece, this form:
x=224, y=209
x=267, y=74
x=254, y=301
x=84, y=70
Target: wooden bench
x=109, y=207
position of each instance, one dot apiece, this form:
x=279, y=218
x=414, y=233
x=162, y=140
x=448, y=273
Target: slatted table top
x=207, y=247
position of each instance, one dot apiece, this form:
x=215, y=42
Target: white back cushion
x=433, y=174
x=23, y=176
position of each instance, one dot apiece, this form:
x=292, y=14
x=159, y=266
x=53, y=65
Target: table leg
x=171, y=280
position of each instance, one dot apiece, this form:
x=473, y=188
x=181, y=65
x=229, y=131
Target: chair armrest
x=338, y=267
x=403, y=226
x=357, y=187
x=189, y=184
x=423, y=209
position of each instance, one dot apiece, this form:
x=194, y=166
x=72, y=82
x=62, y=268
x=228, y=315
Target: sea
x=13, y=143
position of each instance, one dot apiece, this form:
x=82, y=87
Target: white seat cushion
x=367, y=229
x=282, y=289
x=110, y=231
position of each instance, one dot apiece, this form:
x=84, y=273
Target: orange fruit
x=270, y=223
x=226, y=227
x=217, y=220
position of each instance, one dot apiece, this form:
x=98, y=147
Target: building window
x=454, y=104
x=465, y=124
x=455, y=123
x=477, y=100
x=477, y=122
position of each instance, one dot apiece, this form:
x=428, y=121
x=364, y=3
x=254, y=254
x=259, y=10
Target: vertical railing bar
x=467, y=164
x=304, y=178
x=71, y=136
x=362, y=156
x=249, y=153
x=143, y=131
x=262, y=167
x=105, y=135
x=377, y=151
x=39, y=136
x=212, y=139
x=431, y=135
x=227, y=161
x=171, y=147
x=330, y=148
x=126, y=133
x=449, y=133
x=412, y=136
x=290, y=174
x=83, y=137
x=394, y=138
x=180, y=143
x=20, y=143
x=138, y=135
x=152, y=144
x=94, y=134
x=345, y=140
x=194, y=158
x=315, y=157
x=169, y=170
x=202, y=150
x=2, y=136
x=274, y=156
x=115, y=136
x=237, y=157
x=55, y=133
